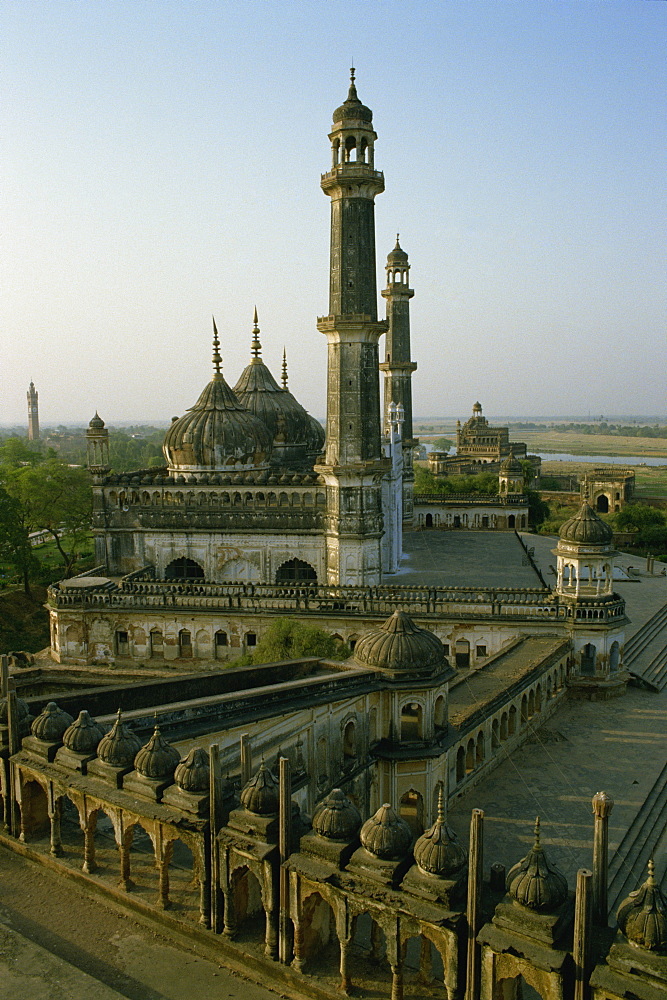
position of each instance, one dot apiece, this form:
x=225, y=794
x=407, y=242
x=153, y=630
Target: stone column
x=88, y=826
x=124, y=852
x=475, y=874
x=285, y=849
x=271, y=936
x=215, y=822
x=345, y=980
x=602, y=807
x=581, y=950
x=55, y=809
x=163, y=854
x=230, y=928
x=397, y=981
x=299, y=960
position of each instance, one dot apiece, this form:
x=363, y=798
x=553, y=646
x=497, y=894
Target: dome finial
x=352, y=92
x=256, y=348
x=217, y=360
x=398, y=245
x=283, y=378
x=536, y=845
x=441, y=802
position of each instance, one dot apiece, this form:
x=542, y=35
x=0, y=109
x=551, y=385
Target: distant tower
x=33, y=414
x=353, y=464
x=97, y=446
x=397, y=366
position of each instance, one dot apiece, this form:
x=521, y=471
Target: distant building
x=33, y=414
x=608, y=489
x=481, y=448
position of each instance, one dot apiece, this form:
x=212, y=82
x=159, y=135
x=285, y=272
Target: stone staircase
x=652, y=675
x=628, y=867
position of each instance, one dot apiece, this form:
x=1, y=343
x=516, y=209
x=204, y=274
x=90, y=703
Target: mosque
x=295, y=814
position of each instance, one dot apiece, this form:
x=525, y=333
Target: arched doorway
x=602, y=504
x=588, y=656
x=429, y=521
x=462, y=654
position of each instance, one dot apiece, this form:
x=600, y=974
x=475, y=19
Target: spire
x=441, y=802
x=284, y=374
x=398, y=245
x=217, y=360
x=352, y=92
x=256, y=348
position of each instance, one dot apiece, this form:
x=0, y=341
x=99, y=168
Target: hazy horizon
x=163, y=164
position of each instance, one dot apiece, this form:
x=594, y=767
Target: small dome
x=260, y=795
x=511, y=466
x=477, y=408
x=586, y=527
x=437, y=851
x=399, y=644
x=83, y=735
x=534, y=882
x=397, y=255
x=51, y=724
x=192, y=774
x=157, y=759
x=96, y=424
x=352, y=108
x=642, y=917
x=336, y=818
x=21, y=707
x=120, y=746
x=386, y=835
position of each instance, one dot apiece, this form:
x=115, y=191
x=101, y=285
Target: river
x=561, y=456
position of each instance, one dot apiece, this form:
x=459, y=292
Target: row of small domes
x=122, y=748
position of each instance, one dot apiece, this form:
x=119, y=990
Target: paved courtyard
x=463, y=559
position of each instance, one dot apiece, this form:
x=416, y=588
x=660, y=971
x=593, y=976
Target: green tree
x=15, y=547
x=16, y=452
x=58, y=498
x=638, y=515
x=287, y=639
x=441, y=444
x=538, y=509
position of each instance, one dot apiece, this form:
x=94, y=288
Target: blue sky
x=162, y=163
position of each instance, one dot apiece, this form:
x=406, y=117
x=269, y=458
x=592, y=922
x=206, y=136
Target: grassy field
x=592, y=444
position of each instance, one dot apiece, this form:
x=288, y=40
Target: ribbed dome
x=192, y=774
x=336, y=818
x=96, y=424
x=50, y=725
x=511, y=466
x=217, y=434
x=399, y=644
x=260, y=795
x=353, y=108
x=437, y=851
x=397, y=255
x=83, y=735
x=157, y=759
x=642, y=917
x=586, y=527
x=386, y=835
x=120, y=746
x=21, y=707
x=534, y=882
x=294, y=433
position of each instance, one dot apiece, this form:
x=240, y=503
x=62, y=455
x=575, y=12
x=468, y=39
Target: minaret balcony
x=359, y=178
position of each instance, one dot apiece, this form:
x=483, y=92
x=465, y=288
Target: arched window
x=614, y=656
x=221, y=643
x=349, y=741
x=183, y=569
x=503, y=727
x=156, y=643
x=462, y=654
x=296, y=570
x=460, y=764
x=479, y=749
x=440, y=714
x=511, y=721
x=524, y=710
x=470, y=756
x=588, y=655
x=495, y=737
x=185, y=643
x=411, y=809
x=411, y=722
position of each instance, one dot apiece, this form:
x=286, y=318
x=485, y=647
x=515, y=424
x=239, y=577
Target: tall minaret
x=353, y=459
x=397, y=366
x=33, y=414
